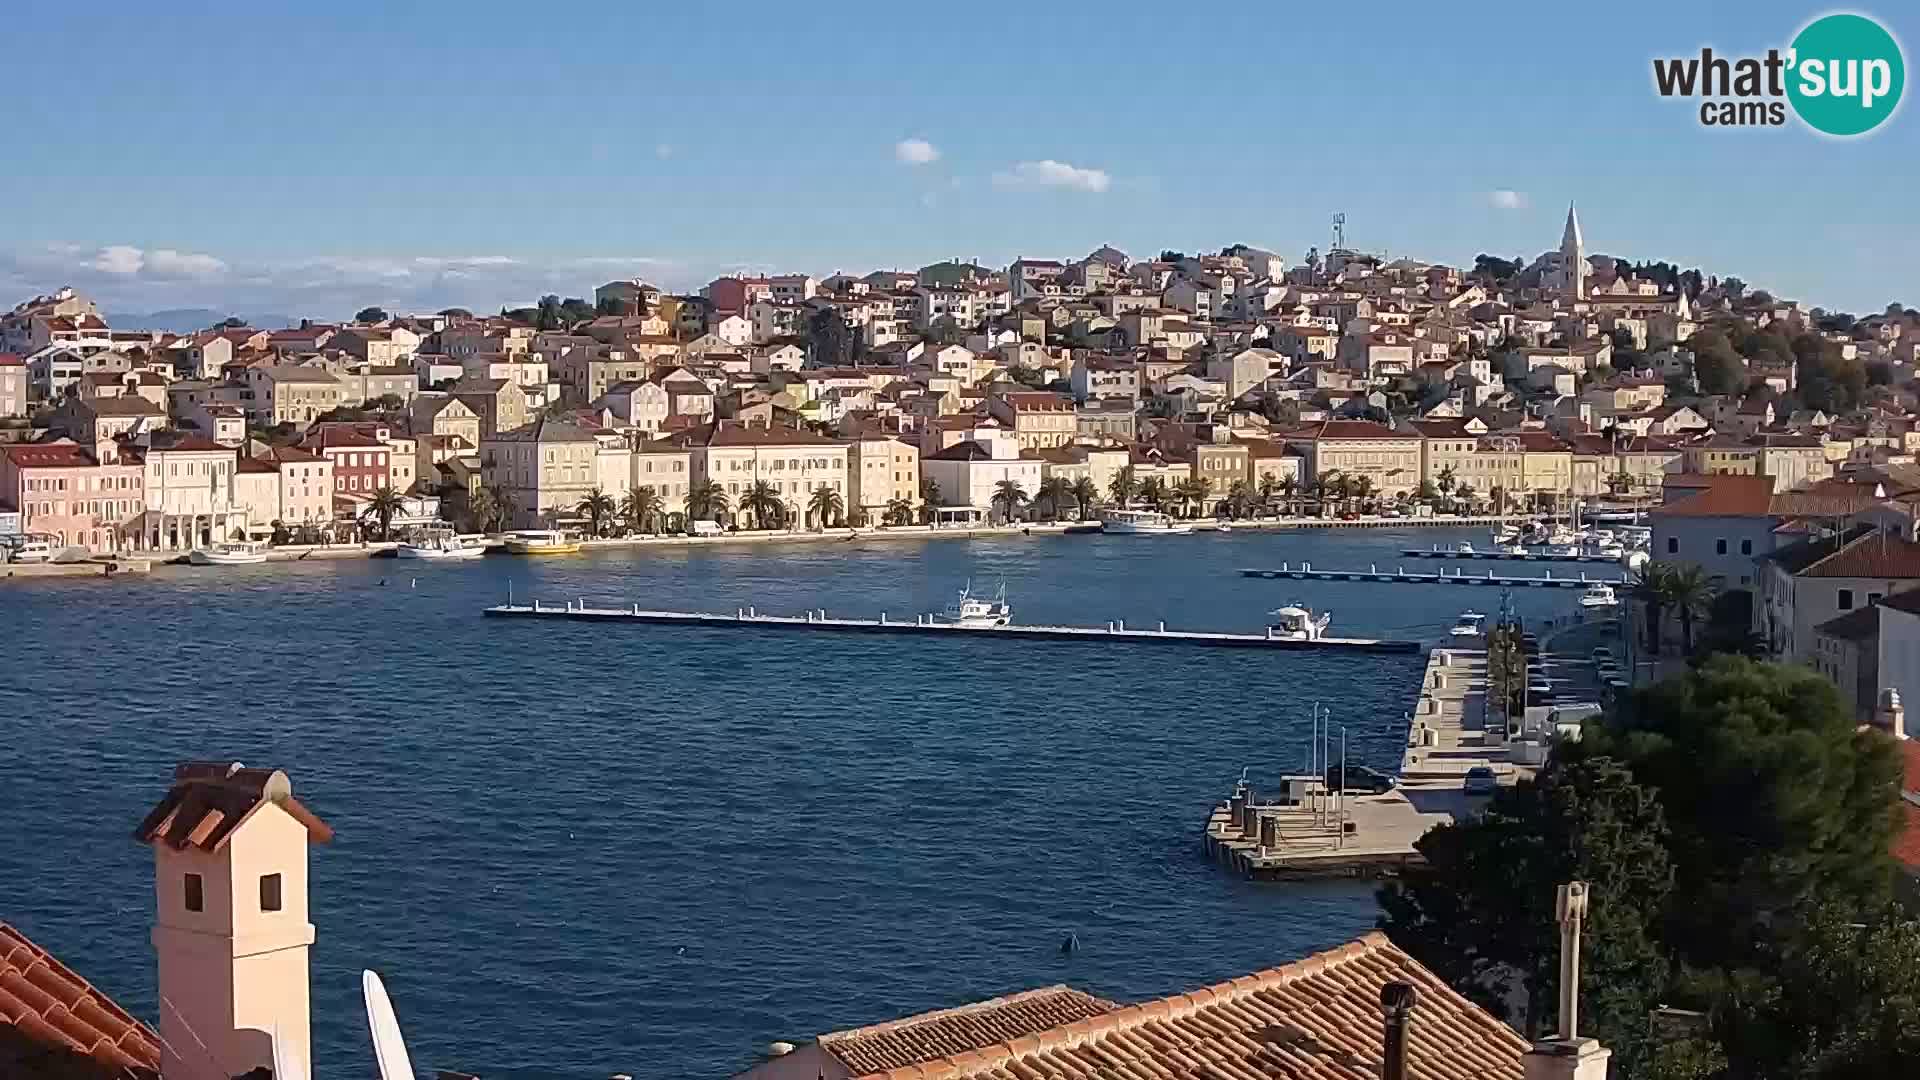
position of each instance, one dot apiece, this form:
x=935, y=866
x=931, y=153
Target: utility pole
x=1570, y=910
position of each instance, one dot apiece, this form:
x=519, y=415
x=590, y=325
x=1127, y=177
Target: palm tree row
x=1684, y=591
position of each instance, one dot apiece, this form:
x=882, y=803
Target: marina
x=819, y=620
x=1467, y=552
x=1306, y=572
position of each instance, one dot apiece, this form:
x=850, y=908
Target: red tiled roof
x=1906, y=843
x=1722, y=496
x=1349, y=429
x=59, y=455
x=930, y=1036
x=1875, y=553
x=209, y=799
x=1314, y=1019
x=54, y=1024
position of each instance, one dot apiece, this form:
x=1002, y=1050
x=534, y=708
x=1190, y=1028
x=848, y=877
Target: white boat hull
x=1127, y=528
x=214, y=558
x=407, y=551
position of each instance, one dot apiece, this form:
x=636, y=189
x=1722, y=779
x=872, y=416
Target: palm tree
x=1363, y=489
x=1240, y=499
x=1497, y=495
x=1192, y=492
x=707, y=501
x=599, y=508
x=482, y=512
x=1055, y=495
x=380, y=510
x=1620, y=483
x=1085, y=493
x=1446, y=481
x=1269, y=486
x=642, y=507
x=500, y=496
x=1465, y=493
x=1008, y=498
x=1290, y=490
x=826, y=507
x=899, y=512
x=1650, y=587
x=1153, y=492
x=930, y=493
x=1123, y=487
x=1334, y=486
x=762, y=500
x=1690, y=594
x=1427, y=493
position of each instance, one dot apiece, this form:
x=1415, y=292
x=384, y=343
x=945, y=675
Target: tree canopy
x=370, y=315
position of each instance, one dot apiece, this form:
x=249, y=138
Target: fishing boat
x=542, y=542
x=440, y=544
x=1469, y=624
x=235, y=554
x=1506, y=534
x=1297, y=622
x=1598, y=596
x=1141, y=523
x=971, y=611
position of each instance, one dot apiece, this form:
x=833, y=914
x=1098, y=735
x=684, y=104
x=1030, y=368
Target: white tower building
x=1573, y=258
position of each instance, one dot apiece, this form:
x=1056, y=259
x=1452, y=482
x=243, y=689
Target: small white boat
x=1562, y=549
x=971, y=611
x=1506, y=534
x=1225, y=527
x=440, y=544
x=1561, y=536
x=1611, y=549
x=1515, y=549
x=1463, y=548
x=237, y=554
x=1141, y=523
x=1598, y=595
x=1469, y=624
x=1297, y=622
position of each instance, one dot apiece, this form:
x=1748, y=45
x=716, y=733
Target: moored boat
x=1297, y=622
x=235, y=554
x=1141, y=523
x=542, y=542
x=440, y=544
x=1598, y=595
x=970, y=611
x=1469, y=624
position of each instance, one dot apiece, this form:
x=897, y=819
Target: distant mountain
x=188, y=320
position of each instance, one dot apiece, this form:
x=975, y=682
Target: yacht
x=236, y=554
x=440, y=544
x=1468, y=624
x=970, y=611
x=1141, y=523
x=542, y=542
x=1296, y=622
x=1598, y=595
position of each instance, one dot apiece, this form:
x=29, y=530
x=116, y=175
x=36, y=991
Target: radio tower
x=1339, y=232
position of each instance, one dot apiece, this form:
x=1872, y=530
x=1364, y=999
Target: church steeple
x=1573, y=257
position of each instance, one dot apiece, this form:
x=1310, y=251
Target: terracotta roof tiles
x=1906, y=843
x=209, y=799
x=917, y=1040
x=53, y=1023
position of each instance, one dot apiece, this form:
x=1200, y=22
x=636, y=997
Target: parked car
x=1480, y=781
x=1362, y=779
x=1602, y=655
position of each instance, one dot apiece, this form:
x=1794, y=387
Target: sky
x=309, y=159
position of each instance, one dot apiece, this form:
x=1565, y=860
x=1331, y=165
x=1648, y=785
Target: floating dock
x=749, y=619
x=1509, y=556
x=97, y=567
x=1306, y=572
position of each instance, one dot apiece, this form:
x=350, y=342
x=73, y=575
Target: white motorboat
x=440, y=544
x=1561, y=536
x=1141, y=523
x=1610, y=548
x=236, y=554
x=1598, y=595
x=1297, y=622
x=1562, y=549
x=1506, y=534
x=1225, y=527
x=971, y=611
x=1463, y=548
x=1469, y=624
x=1516, y=549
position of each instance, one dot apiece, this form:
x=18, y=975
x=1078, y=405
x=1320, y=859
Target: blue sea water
x=572, y=850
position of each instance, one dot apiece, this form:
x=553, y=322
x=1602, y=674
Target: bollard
x=1268, y=829
x=1250, y=829
x=1121, y=623
x=883, y=618
x=636, y=609
x=1236, y=807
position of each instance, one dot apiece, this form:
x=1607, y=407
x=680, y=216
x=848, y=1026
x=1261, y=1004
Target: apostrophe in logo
x=1842, y=75
x=1847, y=74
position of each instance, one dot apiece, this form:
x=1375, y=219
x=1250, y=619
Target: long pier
x=819, y=620
x=1306, y=572
x=1509, y=556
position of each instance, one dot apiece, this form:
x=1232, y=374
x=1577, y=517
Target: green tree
x=549, y=315
x=1446, y=479
x=826, y=507
x=1086, y=494
x=482, y=514
x=1123, y=487
x=370, y=315
x=1717, y=367
x=707, y=501
x=380, y=511
x=1290, y=490
x=1053, y=496
x=1192, y=495
x=899, y=512
x=598, y=508
x=504, y=504
x=1008, y=498
x=1688, y=593
x=1240, y=499
x=1650, y=588
x=761, y=500
x=1845, y=1004
x=642, y=508
x=1153, y=491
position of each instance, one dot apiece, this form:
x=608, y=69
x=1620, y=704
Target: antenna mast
x=1339, y=230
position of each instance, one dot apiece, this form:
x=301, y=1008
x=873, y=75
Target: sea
x=576, y=850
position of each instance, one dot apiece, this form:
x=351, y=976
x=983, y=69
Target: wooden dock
x=819, y=620
x=1306, y=572
x=1508, y=556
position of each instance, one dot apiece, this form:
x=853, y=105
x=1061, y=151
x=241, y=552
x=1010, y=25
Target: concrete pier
x=1508, y=556
x=819, y=620
x=100, y=567
x=1399, y=575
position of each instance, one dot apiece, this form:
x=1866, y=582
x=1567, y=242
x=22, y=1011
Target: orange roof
x=934, y=1035
x=1727, y=495
x=209, y=799
x=57, y=1025
x=1316, y=1018
x=1906, y=842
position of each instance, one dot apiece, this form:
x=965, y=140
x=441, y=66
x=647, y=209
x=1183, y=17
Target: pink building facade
x=62, y=490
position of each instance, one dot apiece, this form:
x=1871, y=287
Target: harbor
x=819, y=620
x=1466, y=551
x=1399, y=575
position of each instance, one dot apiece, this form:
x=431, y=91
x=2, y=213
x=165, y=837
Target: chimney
x=1889, y=715
x=1568, y=1056
x=1397, y=1000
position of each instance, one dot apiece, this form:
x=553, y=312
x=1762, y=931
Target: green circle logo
x=1847, y=75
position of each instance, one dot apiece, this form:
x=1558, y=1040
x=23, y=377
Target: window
x=269, y=892
x=1673, y=545
x=1746, y=547
x=1846, y=599
x=1720, y=546
x=196, y=898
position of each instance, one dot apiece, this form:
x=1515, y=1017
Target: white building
x=971, y=470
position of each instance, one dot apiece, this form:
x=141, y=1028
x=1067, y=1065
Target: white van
x=703, y=527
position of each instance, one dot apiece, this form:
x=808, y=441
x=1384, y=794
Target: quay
x=818, y=620
x=98, y=567
x=1306, y=572
x=1510, y=556
x=1303, y=832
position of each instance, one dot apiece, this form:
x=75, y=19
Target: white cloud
x=1053, y=174
x=915, y=152
x=1507, y=199
x=119, y=259
x=165, y=262
x=126, y=261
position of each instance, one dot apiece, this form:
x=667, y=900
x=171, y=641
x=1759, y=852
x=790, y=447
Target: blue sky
x=304, y=159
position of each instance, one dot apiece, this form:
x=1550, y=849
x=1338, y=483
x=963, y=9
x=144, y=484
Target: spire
x=1570, y=236
x=1573, y=257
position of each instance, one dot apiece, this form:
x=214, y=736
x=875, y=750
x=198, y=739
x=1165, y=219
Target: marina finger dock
x=1509, y=556
x=1306, y=572
x=820, y=621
